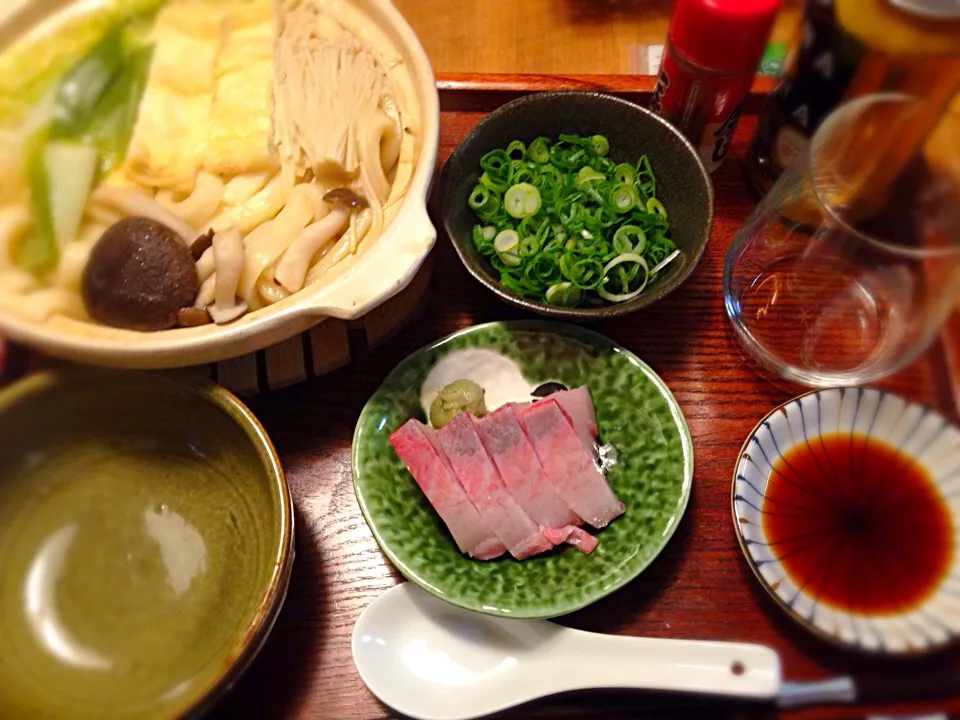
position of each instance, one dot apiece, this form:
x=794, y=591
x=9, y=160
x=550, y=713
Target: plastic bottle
x=709, y=62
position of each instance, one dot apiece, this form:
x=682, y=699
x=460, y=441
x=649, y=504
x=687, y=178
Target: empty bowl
x=146, y=535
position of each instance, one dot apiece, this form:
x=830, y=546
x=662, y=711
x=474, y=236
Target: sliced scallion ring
x=563, y=294
x=539, y=151
x=528, y=246
x=630, y=238
x=516, y=150
x=489, y=182
x=601, y=146
x=624, y=258
x=625, y=173
x=506, y=241
x=522, y=200
x=624, y=197
x=479, y=198
x=496, y=162
x=655, y=206
x=587, y=175
x=663, y=263
x=511, y=259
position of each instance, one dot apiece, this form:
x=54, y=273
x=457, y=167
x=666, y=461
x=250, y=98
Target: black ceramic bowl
x=683, y=184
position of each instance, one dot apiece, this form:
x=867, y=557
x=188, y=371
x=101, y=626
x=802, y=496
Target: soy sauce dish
x=577, y=205
x=845, y=503
x=146, y=535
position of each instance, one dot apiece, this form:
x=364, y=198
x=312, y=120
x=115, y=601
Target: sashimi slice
x=521, y=470
x=415, y=445
x=568, y=465
x=578, y=537
x=479, y=477
x=578, y=405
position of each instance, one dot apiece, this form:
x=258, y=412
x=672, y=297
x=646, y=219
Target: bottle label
x=704, y=107
x=825, y=63
x=716, y=139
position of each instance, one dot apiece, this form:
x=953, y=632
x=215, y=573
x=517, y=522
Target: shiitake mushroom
x=139, y=276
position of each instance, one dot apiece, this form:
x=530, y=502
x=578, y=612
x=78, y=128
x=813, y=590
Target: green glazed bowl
x=636, y=413
x=146, y=538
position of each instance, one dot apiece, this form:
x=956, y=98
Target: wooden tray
x=700, y=587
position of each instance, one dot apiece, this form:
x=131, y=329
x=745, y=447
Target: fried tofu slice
x=174, y=121
x=240, y=139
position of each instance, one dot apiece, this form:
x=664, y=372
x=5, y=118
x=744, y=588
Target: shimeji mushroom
x=218, y=294
x=291, y=271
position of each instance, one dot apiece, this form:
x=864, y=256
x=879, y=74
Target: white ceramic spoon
x=431, y=660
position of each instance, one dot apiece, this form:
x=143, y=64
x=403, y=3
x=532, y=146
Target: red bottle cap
x=726, y=35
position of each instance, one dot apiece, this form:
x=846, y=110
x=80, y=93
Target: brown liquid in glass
x=857, y=524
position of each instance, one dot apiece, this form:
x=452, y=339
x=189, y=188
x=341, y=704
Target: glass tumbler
x=847, y=268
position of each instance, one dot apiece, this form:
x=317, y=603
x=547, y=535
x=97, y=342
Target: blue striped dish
x=913, y=430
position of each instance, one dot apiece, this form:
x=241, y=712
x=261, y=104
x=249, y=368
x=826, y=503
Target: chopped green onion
x=624, y=258
x=516, y=150
x=587, y=274
x=480, y=198
x=505, y=244
x=587, y=175
x=663, y=263
x=601, y=218
x=529, y=246
x=629, y=238
x=539, y=151
x=562, y=222
x=624, y=197
x=506, y=240
x=489, y=182
x=655, y=206
x=521, y=174
x=563, y=294
x=522, y=200
x=496, y=163
x=600, y=145
x=625, y=173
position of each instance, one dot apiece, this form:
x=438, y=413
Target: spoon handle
x=687, y=666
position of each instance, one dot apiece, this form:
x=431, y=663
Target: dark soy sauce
x=857, y=524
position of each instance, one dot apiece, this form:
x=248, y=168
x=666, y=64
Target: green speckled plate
x=636, y=413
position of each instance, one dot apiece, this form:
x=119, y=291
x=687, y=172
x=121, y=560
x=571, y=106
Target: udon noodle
x=275, y=139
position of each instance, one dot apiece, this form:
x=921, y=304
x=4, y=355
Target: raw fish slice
x=568, y=465
x=578, y=405
x=578, y=537
x=521, y=470
x=479, y=477
x=418, y=451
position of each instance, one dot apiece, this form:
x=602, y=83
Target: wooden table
x=699, y=588
x=550, y=36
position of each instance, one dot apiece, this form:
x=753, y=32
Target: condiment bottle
x=708, y=65
x=849, y=48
